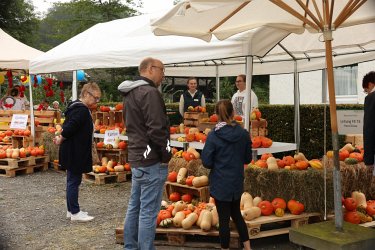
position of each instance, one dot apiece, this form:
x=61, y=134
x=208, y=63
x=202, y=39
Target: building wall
x=311, y=89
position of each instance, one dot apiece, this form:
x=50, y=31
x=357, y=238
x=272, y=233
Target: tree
x=65, y=20
x=17, y=18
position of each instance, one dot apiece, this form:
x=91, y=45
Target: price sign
x=110, y=136
x=19, y=121
x=350, y=121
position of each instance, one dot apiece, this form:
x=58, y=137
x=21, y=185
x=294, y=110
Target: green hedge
x=280, y=120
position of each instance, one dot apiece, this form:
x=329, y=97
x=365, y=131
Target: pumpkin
x=8, y=132
x=164, y=214
x=351, y=161
x=213, y=118
x=122, y=145
x=187, y=198
x=352, y=217
x=302, y=165
x=256, y=201
x=357, y=156
x=300, y=157
x=370, y=209
x=190, y=137
x=119, y=168
x=360, y=198
x=272, y=163
x=100, y=144
x=2, y=154
x=261, y=163
x=172, y=130
x=295, y=207
x=172, y=176
x=166, y=222
x=343, y=154
x=256, y=142
x=265, y=156
x=278, y=203
x=237, y=118
x=350, y=204
x=127, y=167
x=349, y=147
x=200, y=181
x=279, y=212
x=189, y=180
x=174, y=196
x=178, y=206
x=265, y=207
x=189, y=221
x=194, y=152
x=266, y=142
x=280, y=163
x=288, y=160
x=118, y=107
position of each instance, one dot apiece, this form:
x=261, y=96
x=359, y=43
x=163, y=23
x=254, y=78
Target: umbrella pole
x=335, y=144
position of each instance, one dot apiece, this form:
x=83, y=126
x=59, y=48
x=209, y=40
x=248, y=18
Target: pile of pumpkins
x=110, y=166
x=190, y=154
x=15, y=153
x=182, y=178
x=183, y=212
x=298, y=162
x=349, y=154
x=118, y=144
x=357, y=209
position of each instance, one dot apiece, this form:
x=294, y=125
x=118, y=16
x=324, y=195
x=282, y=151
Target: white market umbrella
x=224, y=18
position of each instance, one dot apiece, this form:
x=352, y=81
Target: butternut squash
x=194, y=152
x=272, y=163
x=200, y=181
x=181, y=174
x=206, y=221
x=200, y=217
x=110, y=164
x=251, y=213
x=215, y=217
x=178, y=218
x=256, y=201
x=178, y=206
x=300, y=157
x=9, y=152
x=360, y=198
x=104, y=161
x=246, y=201
x=348, y=147
x=189, y=221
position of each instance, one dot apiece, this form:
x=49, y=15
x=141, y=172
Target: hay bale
x=50, y=148
x=194, y=167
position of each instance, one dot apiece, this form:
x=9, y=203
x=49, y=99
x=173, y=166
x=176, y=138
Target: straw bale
x=194, y=167
x=50, y=148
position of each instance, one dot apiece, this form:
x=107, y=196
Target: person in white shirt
x=238, y=99
x=191, y=97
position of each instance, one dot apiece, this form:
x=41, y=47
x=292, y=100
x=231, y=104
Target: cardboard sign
x=110, y=136
x=19, y=121
x=350, y=121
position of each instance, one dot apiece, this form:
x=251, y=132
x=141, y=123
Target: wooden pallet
x=13, y=172
x=201, y=194
x=103, y=178
x=9, y=163
x=194, y=237
x=258, y=227
x=120, y=155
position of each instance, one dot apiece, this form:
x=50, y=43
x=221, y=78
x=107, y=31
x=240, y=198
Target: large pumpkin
x=357, y=156
x=343, y=154
x=352, y=217
x=302, y=165
x=278, y=203
x=288, y=160
x=266, y=208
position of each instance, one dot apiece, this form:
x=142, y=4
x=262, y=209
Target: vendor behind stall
x=191, y=97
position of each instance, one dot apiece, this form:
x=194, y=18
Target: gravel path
x=33, y=210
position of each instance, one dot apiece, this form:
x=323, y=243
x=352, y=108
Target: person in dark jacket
x=368, y=84
x=75, y=154
x=227, y=149
x=191, y=97
x=147, y=128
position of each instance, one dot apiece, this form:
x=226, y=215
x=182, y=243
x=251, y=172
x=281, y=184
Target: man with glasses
x=149, y=152
x=368, y=84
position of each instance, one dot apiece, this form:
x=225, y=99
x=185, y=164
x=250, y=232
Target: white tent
x=125, y=42
x=14, y=54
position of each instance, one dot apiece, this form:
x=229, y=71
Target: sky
x=149, y=6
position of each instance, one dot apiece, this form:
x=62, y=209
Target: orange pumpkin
x=101, y=144
x=122, y=145
x=174, y=197
x=190, y=137
x=8, y=132
x=288, y=160
x=189, y=180
x=265, y=156
x=34, y=152
x=164, y=214
x=280, y=163
x=237, y=118
x=172, y=176
x=102, y=130
x=2, y=154
x=278, y=203
x=352, y=217
x=343, y=154
x=118, y=107
x=172, y=130
x=356, y=155
x=127, y=167
x=257, y=142
x=266, y=142
x=261, y=163
x=187, y=198
x=302, y=165
x=214, y=118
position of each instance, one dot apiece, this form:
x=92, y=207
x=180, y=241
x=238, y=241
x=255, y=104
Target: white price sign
x=110, y=136
x=19, y=121
x=350, y=121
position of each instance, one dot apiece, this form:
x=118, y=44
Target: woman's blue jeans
x=144, y=206
x=72, y=188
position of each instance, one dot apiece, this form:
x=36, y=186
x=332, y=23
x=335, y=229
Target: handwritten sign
x=19, y=121
x=110, y=136
x=350, y=121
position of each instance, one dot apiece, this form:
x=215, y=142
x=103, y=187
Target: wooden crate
x=204, y=125
x=13, y=172
x=103, y=178
x=19, y=141
x=259, y=128
x=108, y=118
x=10, y=163
x=193, y=237
x=193, y=119
x=119, y=155
x=258, y=227
x=201, y=194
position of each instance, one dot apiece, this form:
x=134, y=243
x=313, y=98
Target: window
x=346, y=80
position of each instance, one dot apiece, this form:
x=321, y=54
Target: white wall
x=282, y=87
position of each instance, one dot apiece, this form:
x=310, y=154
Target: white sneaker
x=81, y=216
x=69, y=214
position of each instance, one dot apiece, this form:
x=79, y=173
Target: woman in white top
x=238, y=99
x=191, y=97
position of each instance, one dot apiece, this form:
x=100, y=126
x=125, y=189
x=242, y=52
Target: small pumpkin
x=265, y=207
x=279, y=212
x=174, y=197
x=351, y=161
x=172, y=176
x=278, y=203
x=357, y=156
x=302, y=165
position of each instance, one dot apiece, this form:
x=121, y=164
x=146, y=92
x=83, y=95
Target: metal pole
x=297, y=120
x=249, y=78
x=217, y=84
x=32, y=118
x=74, y=86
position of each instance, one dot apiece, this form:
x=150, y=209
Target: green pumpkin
x=351, y=161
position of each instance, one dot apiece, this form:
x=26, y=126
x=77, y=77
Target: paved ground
x=32, y=215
